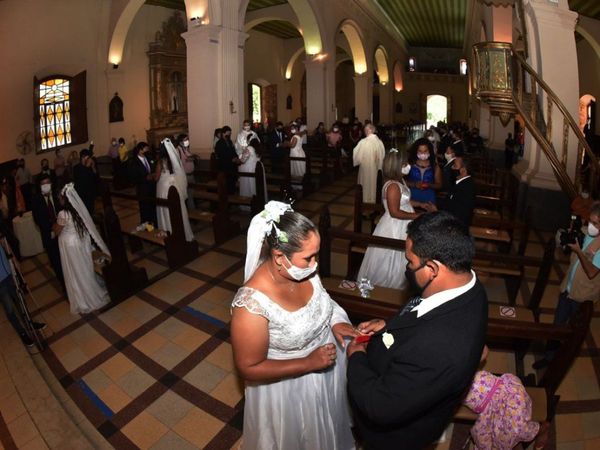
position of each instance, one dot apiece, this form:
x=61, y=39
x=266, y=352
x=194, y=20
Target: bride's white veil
x=261, y=226
x=178, y=171
x=74, y=199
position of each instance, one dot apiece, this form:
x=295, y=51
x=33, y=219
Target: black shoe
x=27, y=342
x=540, y=364
x=39, y=326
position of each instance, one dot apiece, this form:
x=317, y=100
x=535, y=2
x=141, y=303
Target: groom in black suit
x=44, y=208
x=141, y=173
x=460, y=201
x=406, y=383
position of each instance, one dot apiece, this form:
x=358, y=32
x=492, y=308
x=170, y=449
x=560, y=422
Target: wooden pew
x=122, y=280
x=179, y=251
x=305, y=182
x=510, y=266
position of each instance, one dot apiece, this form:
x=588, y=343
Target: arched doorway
x=437, y=109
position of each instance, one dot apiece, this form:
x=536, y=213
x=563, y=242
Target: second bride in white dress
x=170, y=172
x=384, y=266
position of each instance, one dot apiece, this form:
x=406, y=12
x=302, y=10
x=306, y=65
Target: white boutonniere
x=388, y=339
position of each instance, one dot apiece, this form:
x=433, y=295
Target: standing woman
x=297, y=168
x=284, y=329
x=249, y=160
x=76, y=235
x=425, y=176
x=169, y=172
x=384, y=266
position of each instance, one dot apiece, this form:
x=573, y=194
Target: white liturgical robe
x=369, y=154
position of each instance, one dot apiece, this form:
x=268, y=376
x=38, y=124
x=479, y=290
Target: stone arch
x=381, y=65
x=589, y=38
x=357, y=48
x=398, y=77
x=290, y=65
x=119, y=35
x=306, y=22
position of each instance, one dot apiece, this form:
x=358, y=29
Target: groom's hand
x=353, y=347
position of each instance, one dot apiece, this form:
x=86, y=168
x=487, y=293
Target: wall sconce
x=231, y=109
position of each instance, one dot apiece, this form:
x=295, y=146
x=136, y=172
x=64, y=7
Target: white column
x=553, y=55
x=315, y=91
x=203, y=86
x=363, y=96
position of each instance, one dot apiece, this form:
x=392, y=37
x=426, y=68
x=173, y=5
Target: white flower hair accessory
x=261, y=226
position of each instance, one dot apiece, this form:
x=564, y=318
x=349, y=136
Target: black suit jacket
x=138, y=175
x=461, y=201
x=225, y=151
x=275, y=142
x=86, y=182
x=403, y=397
x=39, y=210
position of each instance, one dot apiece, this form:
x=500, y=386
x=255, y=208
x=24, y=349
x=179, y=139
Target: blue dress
x=426, y=175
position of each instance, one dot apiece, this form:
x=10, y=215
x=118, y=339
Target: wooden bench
x=121, y=278
x=179, y=251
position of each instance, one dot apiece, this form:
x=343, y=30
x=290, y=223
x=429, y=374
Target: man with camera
x=581, y=281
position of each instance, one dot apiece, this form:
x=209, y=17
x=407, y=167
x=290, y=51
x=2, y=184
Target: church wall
x=36, y=40
x=66, y=39
x=344, y=84
x=418, y=85
x=265, y=60
x=589, y=74
x=131, y=79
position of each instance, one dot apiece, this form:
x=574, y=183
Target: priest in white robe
x=369, y=154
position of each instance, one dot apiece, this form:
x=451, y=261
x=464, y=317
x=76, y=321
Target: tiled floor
x=156, y=371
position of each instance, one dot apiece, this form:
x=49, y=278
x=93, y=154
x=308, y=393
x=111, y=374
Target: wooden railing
x=530, y=94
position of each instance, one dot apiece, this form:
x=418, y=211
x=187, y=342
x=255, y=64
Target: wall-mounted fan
x=25, y=142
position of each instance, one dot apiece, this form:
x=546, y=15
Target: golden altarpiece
x=168, y=81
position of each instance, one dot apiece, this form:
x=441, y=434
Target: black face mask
x=412, y=279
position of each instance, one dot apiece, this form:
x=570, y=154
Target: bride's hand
x=343, y=330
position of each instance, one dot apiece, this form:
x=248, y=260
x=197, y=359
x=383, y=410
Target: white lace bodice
x=293, y=334
x=404, y=200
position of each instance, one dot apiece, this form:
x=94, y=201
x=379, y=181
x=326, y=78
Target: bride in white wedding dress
x=288, y=340
x=77, y=235
x=170, y=172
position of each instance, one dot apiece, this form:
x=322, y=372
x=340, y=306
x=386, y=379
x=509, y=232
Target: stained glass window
x=54, y=105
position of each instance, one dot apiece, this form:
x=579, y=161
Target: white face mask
x=592, y=231
x=114, y=143
x=186, y=143
x=406, y=169
x=423, y=156
x=293, y=131
x=430, y=138
x=247, y=128
x=448, y=156
x=335, y=130
x=46, y=188
x=299, y=274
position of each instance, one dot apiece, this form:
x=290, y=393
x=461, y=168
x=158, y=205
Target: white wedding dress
x=85, y=289
x=383, y=266
x=166, y=180
x=248, y=184
x=307, y=412
x=297, y=168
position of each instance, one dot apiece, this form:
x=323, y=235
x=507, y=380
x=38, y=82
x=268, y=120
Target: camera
x=572, y=235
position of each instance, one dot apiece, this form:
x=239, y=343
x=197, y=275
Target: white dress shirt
x=442, y=297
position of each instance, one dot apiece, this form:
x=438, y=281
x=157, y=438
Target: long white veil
x=73, y=197
x=262, y=225
x=178, y=172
